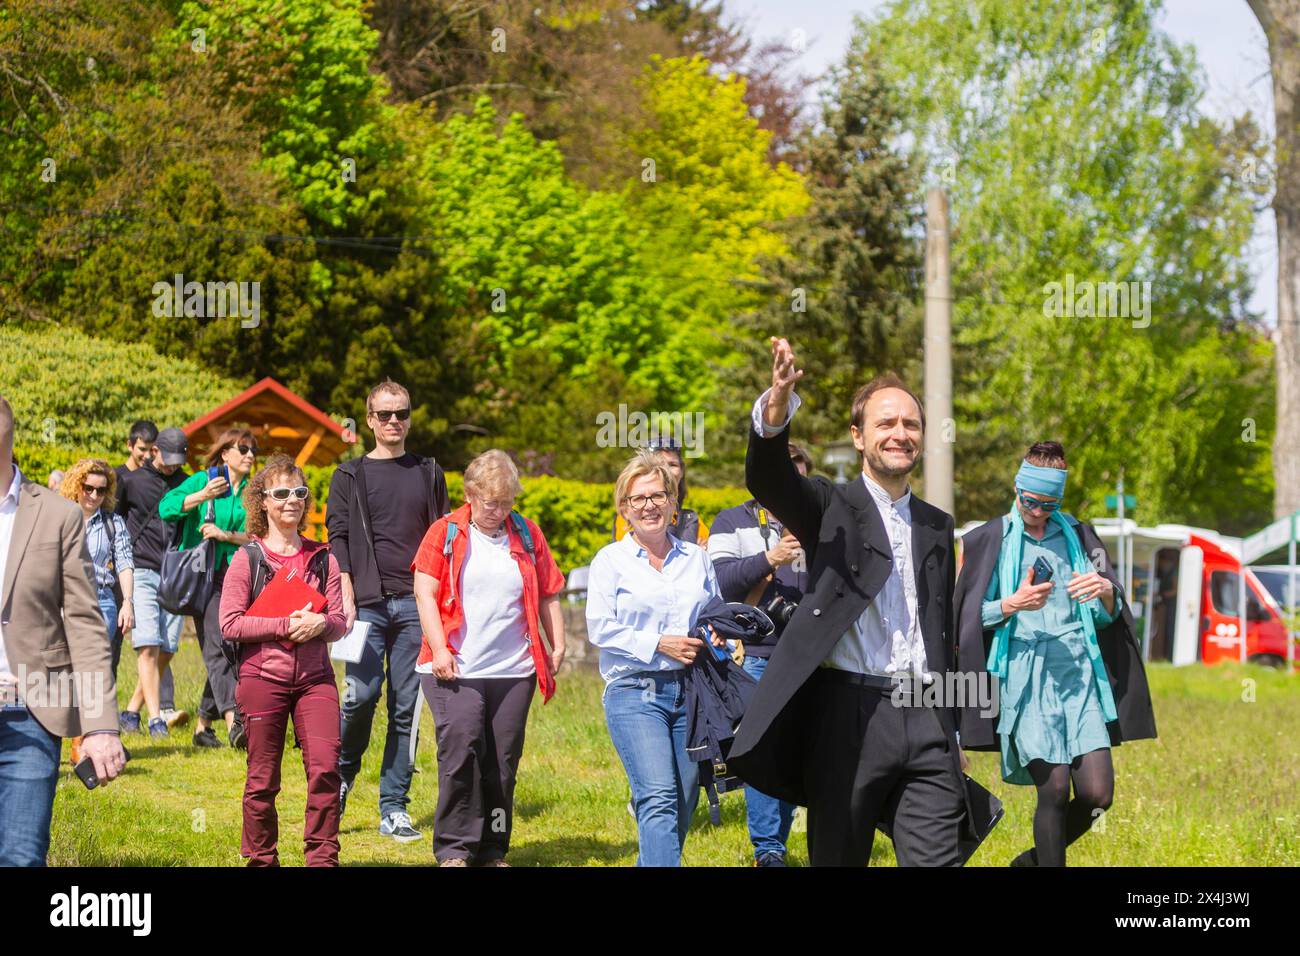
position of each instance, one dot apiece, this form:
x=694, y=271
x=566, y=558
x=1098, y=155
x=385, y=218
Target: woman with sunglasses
x=210, y=506
x=284, y=665
x=1039, y=606
x=92, y=484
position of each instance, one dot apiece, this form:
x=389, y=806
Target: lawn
x=1220, y=787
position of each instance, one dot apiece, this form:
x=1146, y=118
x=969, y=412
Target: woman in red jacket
x=284, y=667
x=484, y=579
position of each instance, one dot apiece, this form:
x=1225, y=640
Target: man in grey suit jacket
x=840, y=722
x=56, y=678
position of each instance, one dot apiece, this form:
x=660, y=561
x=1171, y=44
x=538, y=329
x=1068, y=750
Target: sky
x=1228, y=41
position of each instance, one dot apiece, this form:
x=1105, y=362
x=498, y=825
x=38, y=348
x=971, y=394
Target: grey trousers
x=480, y=729
x=873, y=762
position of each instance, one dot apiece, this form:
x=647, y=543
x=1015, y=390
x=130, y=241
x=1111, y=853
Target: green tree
x=1075, y=153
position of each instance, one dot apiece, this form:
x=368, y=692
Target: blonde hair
x=387, y=387
x=493, y=475
x=645, y=463
x=75, y=477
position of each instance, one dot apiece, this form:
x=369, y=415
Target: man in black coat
x=840, y=722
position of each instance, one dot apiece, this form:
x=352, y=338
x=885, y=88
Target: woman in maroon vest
x=284, y=667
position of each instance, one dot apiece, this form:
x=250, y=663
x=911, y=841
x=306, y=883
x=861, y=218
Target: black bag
x=186, y=578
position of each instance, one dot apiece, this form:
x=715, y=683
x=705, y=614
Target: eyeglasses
x=638, y=502
x=401, y=414
x=97, y=491
x=282, y=494
x=246, y=449
x=1030, y=503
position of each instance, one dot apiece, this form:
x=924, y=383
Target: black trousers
x=219, y=690
x=872, y=762
x=480, y=728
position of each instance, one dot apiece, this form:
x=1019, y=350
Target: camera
x=779, y=610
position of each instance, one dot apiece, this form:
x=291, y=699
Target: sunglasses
x=282, y=494
x=97, y=491
x=245, y=449
x=401, y=414
x=1030, y=503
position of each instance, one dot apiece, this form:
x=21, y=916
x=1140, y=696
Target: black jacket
x=1120, y=651
x=849, y=559
x=347, y=519
x=138, y=494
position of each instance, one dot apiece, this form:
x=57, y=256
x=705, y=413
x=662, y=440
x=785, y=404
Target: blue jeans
x=769, y=818
x=394, y=636
x=646, y=717
x=29, y=769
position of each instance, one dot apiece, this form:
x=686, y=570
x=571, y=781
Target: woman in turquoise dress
x=1055, y=698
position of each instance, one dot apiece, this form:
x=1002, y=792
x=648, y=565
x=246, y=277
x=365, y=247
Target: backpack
x=257, y=577
x=516, y=519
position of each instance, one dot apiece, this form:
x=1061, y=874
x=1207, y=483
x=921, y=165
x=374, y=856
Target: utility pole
x=939, y=433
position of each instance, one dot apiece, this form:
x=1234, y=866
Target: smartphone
x=86, y=770
x=1042, y=571
x=220, y=471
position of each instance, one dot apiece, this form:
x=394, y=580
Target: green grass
x=1220, y=787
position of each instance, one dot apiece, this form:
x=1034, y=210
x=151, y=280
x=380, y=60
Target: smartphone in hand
x=221, y=471
x=85, y=770
x=1042, y=571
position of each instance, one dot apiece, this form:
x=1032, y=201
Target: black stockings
x=1058, y=820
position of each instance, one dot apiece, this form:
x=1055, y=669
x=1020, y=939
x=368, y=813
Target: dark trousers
x=875, y=762
x=480, y=729
x=394, y=636
x=219, y=690
x=266, y=707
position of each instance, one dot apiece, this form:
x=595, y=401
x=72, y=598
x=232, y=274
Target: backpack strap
x=256, y=570
x=107, y=517
x=521, y=526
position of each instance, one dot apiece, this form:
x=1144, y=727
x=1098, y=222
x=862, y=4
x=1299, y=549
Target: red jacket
x=540, y=581
x=269, y=655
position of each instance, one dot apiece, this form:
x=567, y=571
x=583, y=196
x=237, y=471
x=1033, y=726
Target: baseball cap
x=173, y=446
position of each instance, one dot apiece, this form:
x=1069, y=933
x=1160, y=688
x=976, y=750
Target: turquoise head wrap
x=1040, y=480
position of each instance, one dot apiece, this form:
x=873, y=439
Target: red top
x=270, y=656
x=541, y=581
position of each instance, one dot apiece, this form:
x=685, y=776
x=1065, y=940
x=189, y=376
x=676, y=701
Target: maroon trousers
x=266, y=707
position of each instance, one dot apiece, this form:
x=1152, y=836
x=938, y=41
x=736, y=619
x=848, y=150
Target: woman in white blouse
x=643, y=596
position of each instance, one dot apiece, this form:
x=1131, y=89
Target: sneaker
x=74, y=753
x=454, y=861
x=158, y=728
x=206, y=738
x=497, y=862
x=128, y=721
x=770, y=859
x=398, y=826
x=344, y=787
x=175, y=718
x=238, y=736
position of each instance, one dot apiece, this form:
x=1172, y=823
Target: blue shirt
x=630, y=605
x=108, y=566
x=1060, y=615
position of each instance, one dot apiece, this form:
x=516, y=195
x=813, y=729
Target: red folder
x=285, y=593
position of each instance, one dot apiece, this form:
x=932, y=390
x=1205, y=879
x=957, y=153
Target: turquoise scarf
x=1009, y=580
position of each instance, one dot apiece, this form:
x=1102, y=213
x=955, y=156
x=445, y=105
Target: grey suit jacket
x=53, y=630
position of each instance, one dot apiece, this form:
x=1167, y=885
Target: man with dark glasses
x=379, y=508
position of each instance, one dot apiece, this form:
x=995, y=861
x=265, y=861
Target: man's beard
x=890, y=471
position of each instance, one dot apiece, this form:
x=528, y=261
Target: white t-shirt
x=492, y=599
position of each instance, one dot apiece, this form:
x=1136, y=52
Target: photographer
x=760, y=563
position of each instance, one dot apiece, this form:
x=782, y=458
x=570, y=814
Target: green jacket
x=229, y=514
